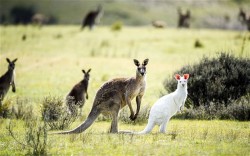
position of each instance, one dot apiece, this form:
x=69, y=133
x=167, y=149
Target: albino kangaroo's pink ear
x=177, y=76
x=186, y=76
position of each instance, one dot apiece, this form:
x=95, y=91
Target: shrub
x=16, y=108
x=55, y=114
x=21, y=14
x=237, y=110
x=35, y=141
x=117, y=26
x=218, y=80
x=5, y=109
x=21, y=110
x=141, y=118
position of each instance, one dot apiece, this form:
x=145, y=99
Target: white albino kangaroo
x=167, y=106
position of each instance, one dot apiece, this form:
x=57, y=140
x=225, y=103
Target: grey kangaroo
x=78, y=93
x=7, y=79
x=113, y=96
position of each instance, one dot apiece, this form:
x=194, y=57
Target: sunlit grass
x=50, y=61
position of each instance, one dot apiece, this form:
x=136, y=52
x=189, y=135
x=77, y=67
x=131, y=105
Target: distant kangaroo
x=79, y=92
x=167, y=106
x=90, y=18
x=113, y=96
x=244, y=19
x=184, y=19
x=7, y=79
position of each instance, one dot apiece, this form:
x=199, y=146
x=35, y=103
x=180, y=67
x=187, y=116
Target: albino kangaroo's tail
x=88, y=122
x=147, y=129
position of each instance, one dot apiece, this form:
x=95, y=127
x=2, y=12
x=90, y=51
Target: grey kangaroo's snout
x=142, y=71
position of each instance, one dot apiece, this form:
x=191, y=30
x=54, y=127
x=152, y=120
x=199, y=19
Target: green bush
x=56, y=114
x=141, y=118
x=5, y=109
x=219, y=80
x=21, y=109
x=36, y=140
x=237, y=110
x=117, y=26
x=16, y=108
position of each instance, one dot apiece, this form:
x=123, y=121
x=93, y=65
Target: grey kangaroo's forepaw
x=133, y=118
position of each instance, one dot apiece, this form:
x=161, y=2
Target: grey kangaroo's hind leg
x=114, y=113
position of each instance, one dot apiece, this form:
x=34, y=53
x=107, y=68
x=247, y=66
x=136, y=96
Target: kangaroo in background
x=90, y=19
x=113, y=96
x=167, y=106
x=7, y=79
x=184, y=19
x=244, y=19
x=78, y=93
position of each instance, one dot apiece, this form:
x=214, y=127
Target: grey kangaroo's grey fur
x=79, y=92
x=7, y=79
x=113, y=96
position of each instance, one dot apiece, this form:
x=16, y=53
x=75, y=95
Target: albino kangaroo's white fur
x=167, y=106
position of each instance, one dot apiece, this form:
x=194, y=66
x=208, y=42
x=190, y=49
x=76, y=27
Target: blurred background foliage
x=204, y=13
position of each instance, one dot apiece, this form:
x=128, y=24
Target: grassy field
x=50, y=61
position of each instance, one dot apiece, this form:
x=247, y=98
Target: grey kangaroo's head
x=141, y=68
x=11, y=63
x=86, y=74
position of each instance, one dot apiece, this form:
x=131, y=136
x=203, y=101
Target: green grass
x=50, y=62
x=184, y=138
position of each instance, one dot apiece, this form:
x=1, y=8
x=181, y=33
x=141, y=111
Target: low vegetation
x=56, y=114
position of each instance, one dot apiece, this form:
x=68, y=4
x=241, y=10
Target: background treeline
x=204, y=14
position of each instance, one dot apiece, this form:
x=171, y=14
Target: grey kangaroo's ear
x=8, y=60
x=137, y=63
x=89, y=70
x=14, y=60
x=145, y=62
x=83, y=71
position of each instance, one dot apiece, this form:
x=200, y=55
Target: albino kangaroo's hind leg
x=163, y=126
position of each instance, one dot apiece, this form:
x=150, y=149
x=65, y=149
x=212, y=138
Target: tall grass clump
x=35, y=140
x=142, y=117
x=56, y=114
x=215, y=84
x=117, y=26
x=5, y=109
x=18, y=108
x=21, y=109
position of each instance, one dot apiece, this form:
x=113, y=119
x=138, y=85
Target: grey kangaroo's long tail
x=86, y=124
